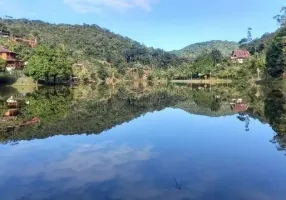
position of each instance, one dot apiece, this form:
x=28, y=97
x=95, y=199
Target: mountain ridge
x=194, y=50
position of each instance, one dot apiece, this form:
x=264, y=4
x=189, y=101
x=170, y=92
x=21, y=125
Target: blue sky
x=166, y=24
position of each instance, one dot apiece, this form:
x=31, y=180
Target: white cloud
x=85, y=6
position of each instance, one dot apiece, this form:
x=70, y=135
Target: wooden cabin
x=11, y=61
x=240, y=55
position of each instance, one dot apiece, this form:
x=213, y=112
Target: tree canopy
x=92, y=41
x=276, y=55
x=194, y=50
x=2, y=65
x=48, y=62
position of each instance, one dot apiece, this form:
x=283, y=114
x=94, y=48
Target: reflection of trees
x=60, y=115
x=203, y=99
x=49, y=104
x=256, y=102
x=275, y=112
x=244, y=118
x=93, y=109
x=209, y=102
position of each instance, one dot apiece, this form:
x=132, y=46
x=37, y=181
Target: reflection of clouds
x=96, y=163
x=88, y=163
x=110, y=171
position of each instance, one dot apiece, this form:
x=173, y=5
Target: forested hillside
x=87, y=42
x=259, y=45
x=194, y=50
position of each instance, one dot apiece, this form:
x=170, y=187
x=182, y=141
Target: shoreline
x=201, y=81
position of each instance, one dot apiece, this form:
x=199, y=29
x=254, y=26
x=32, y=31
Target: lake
x=166, y=142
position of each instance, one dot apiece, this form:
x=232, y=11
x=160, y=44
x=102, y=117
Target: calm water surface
x=174, y=143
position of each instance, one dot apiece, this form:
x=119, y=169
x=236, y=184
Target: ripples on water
x=175, y=142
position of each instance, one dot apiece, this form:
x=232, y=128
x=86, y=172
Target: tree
x=243, y=41
x=19, y=31
x=2, y=65
x=48, y=62
x=216, y=56
x=81, y=73
x=102, y=73
x=38, y=64
x=60, y=67
x=281, y=18
x=249, y=34
x=257, y=65
x=276, y=57
x=3, y=27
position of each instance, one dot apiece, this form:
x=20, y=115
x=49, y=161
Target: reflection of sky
x=211, y=158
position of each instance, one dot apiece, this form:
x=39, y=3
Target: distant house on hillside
x=240, y=55
x=11, y=61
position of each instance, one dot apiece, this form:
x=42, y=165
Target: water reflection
x=93, y=109
x=151, y=142
x=141, y=159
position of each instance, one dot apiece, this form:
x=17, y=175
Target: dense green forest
x=89, y=53
x=194, y=50
x=85, y=45
x=88, y=42
x=259, y=45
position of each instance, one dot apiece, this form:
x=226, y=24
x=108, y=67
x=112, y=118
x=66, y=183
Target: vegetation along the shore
x=88, y=53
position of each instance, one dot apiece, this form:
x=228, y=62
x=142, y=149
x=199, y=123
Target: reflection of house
x=239, y=107
x=240, y=55
x=11, y=61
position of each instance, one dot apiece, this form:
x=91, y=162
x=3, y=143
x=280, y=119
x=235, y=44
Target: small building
x=11, y=61
x=240, y=55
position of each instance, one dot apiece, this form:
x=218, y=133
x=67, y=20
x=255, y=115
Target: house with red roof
x=240, y=55
x=11, y=61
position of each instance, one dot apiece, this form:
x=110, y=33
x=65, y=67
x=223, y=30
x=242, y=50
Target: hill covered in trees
x=259, y=45
x=194, y=50
x=86, y=42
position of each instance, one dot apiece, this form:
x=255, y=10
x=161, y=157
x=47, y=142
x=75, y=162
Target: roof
x=3, y=50
x=240, y=54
